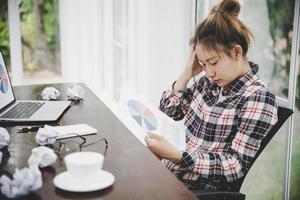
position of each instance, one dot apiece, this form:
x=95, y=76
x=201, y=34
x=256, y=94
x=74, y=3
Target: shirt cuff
x=173, y=95
x=186, y=162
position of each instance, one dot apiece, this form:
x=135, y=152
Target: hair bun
x=222, y=29
x=229, y=6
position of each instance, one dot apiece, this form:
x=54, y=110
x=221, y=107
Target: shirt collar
x=237, y=86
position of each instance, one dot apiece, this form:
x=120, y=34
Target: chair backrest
x=283, y=114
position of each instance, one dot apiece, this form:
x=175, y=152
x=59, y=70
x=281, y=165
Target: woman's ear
x=236, y=52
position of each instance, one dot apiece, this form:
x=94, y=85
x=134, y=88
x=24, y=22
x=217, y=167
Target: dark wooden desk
x=139, y=174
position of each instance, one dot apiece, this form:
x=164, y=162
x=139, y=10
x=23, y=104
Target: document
x=141, y=118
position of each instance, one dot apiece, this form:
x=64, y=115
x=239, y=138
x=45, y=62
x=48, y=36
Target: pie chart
x=142, y=115
x=3, y=80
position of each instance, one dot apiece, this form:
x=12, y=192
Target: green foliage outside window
x=45, y=15
x=4, y=34
x=39, y=29
x=281, y=17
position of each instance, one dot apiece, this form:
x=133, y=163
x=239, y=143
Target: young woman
x=227, y=112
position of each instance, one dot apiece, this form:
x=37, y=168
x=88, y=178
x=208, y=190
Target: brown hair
x=222, y=29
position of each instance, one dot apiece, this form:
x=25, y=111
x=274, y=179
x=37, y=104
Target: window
x=40, y=40
x=33, y=52
x=272, y=25
x=273, y=41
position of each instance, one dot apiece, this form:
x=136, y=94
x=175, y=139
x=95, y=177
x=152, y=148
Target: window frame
x=16, y=60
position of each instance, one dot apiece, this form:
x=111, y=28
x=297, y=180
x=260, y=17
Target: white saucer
x=101, y=180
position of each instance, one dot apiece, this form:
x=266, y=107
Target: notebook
x=73, y=130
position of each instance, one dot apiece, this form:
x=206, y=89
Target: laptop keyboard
x=23, y=110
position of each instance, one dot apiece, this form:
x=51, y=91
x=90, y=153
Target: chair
x=232, y=191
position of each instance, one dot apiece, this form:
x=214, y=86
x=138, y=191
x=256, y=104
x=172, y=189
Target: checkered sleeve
x=176, y=103
x=256, y=117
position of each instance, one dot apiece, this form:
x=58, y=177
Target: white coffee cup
x=84, y=165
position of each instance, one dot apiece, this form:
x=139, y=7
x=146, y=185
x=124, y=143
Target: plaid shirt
x=222, y=137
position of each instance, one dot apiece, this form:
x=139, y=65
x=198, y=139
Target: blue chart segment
x=3, y=80
x=142, y=115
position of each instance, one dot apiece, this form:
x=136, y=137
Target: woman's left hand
x=161, y=147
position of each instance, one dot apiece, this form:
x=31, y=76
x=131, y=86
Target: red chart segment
x=142, y=115
x=4, y=82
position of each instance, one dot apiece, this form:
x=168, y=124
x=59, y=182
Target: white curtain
x=81, y=40
x=153, y=49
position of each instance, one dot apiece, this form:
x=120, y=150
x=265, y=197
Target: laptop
x=12, y=110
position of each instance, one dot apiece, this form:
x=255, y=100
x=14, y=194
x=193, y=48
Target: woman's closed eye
x=213, y=63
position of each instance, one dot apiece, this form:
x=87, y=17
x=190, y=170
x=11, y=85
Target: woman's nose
x=209, y=73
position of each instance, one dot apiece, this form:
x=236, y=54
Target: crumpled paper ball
x=4, y=137
x=75, y=92
x=42, y=157
x=24, y=181
x=50, y=93
x=46, y=135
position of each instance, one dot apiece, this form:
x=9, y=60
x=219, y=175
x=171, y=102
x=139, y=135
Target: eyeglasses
x=70, y=145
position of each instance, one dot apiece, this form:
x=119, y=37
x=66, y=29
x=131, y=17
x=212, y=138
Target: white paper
x=50, y=93
x=46, y=135
x=75, y=92
x=42, y=156
x=4, y=138
x=24, y=181
x=163, y=125
x=73, y=130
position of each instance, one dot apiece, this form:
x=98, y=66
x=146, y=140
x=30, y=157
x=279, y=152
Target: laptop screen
x=6, y=93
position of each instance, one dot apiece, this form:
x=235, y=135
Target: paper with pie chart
x=4, y=82
x=142, y=115
x=141, y=118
